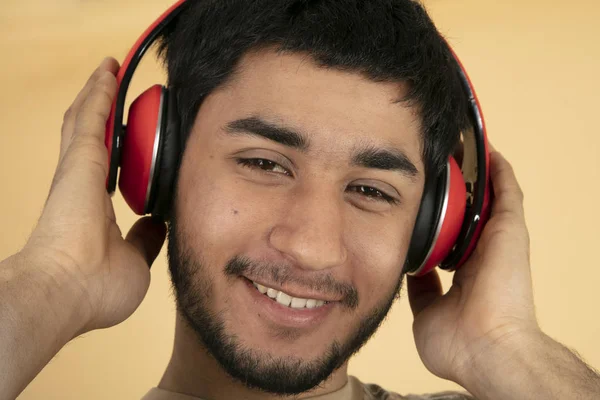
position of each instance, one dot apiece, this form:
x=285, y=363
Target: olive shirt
x=352, y=390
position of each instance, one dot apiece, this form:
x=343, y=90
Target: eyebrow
x=255, y=126
x=372, y=157
x=385, y=159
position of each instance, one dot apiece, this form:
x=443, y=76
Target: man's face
x=307, y=181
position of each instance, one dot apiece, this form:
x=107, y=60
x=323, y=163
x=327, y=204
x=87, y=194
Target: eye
x=263, y=164
x=372, y=193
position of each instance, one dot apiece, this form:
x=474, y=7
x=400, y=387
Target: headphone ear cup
x=141, y=148
x=425, y=223
x=451, y=220
x=439, y=221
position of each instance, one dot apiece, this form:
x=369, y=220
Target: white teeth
x=298, y=303
x=284, y=299
x=261, y=288
x=287, y=300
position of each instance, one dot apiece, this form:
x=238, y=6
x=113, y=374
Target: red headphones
x=454, y=207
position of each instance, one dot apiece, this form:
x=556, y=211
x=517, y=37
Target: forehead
x=337, y=110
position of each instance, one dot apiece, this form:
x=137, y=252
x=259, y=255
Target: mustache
x=281, y=274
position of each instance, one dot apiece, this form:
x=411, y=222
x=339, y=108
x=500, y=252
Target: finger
x=108, y=64
x=508, y=196
x=96, y=107
x=147, y=235
x=85, y=162
x=423, y=290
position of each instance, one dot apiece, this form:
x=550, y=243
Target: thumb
x=423, y=290
x=147, y=235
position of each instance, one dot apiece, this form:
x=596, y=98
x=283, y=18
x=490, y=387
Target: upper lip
x=297, y=292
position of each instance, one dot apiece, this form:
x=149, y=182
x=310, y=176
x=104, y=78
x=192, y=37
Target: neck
x=194, y=372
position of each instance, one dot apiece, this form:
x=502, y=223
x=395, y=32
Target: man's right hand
x=77, y=233
x=76, y=272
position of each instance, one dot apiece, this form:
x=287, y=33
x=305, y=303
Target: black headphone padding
x=428, y=217
x=167, y=159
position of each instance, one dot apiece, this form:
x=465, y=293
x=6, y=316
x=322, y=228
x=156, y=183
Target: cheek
x=222, y=215
x=212, y=214
x=378, y=254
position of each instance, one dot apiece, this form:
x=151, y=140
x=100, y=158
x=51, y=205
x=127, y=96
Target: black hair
x=385, y=40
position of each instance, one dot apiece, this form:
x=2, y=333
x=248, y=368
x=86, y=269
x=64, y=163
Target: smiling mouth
x=286, y=300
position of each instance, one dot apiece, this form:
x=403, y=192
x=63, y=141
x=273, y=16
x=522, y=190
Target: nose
x=311, y=231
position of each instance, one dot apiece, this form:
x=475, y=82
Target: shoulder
x=372, y=391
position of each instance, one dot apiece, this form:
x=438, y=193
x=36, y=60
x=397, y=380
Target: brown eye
x=372, y=193
x=263, y=164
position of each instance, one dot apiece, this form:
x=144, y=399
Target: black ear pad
x=427, y=221
x=167, y=159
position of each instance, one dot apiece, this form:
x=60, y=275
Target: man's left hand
x=490, y=302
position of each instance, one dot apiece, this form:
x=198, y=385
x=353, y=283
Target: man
x=276, y=99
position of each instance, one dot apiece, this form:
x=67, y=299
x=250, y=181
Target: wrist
x=41, y=310
x=499, y=366
x=53, y=283
x=527, y=364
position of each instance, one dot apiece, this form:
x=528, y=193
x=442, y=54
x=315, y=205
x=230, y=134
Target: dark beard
x=283, y=375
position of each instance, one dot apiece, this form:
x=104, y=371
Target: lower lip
x=287, y=316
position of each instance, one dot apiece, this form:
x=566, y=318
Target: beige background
x=535, y=65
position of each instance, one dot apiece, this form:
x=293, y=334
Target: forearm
x=538, y=368
x=38, y=316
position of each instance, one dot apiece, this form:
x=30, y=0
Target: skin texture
x=303, y=216
x=77, y=272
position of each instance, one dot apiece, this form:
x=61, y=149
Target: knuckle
x=93, y=116
x=97, y=74
x=106, y=96
x=86, y=153
x=68, y=114
x=102, y=95
x=107, y=81
x=520, y=194
x=509, y=166
x=90, y=121
x=87, y=143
